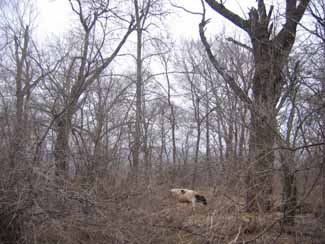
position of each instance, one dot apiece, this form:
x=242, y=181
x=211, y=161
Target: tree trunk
x=261, y=155
x=138, y=111
x=162, y=137
x=172, y=117
x=322, y=113
x=323, y=161
x=61, y=148
x=196, y=107
x=146, y=151
x=17, y=144
x=196, y=156
x=242, y=138
x=289, y=198
x=267, y=86
x=322, y=213
x=220, y=141
x=172, y=121
x=289, y=191
x=173, y=125
x=207, y=136
x=229, y=154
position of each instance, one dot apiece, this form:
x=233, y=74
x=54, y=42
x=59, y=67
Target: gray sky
x=55, y=16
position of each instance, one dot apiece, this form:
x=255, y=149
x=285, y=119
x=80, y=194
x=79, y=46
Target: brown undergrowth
x=106, y=211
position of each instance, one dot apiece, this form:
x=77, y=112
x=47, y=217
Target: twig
x=185, y=10
x=260, y=234
x=301, y=147
x=237, y=236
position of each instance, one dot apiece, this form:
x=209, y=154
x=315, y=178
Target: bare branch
x=231, y=16
x=239, y=44
x=185, y=9
x=293, y=149
x=229, y=80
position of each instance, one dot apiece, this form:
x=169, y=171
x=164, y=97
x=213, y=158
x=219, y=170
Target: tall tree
x=88, y=65
x=165, y=60
x=144, y=12
x=287, y=157
x=317, y=11
x=270, y=51
x=139, y=18
x=23, y=65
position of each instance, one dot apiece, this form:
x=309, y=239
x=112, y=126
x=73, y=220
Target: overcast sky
x=55, y=15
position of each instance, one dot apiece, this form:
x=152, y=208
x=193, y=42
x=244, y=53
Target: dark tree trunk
x=173, y=128
x=322, y=208
x=17, y=147
x=61, y=148
x=323, y=137
x=289, y=191
x=139, y=85
x=321, y=24
x=229, y=137
x=269, y=58
x=207, y=137
x=262, y=136
x=147, y=149
x=289, y=198
x=172, y=116
x=242, y=138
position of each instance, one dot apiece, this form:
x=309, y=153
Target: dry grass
x=100, y=211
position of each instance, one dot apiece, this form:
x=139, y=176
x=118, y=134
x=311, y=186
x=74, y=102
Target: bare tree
x=99, y=123
x=270, y=51
x=317, y=11
x=165, y=60
x=24, y=62
x=88, y=65
x=140, y=20
x=287, y=157
x=145, y=14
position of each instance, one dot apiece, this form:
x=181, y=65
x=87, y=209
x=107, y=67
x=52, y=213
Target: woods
x=100, y=123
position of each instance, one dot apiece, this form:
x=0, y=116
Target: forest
x=98, y=124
